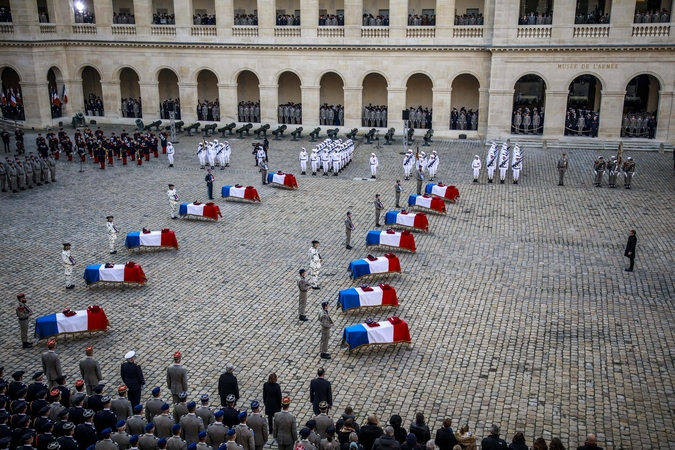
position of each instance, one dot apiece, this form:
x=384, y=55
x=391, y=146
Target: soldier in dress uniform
x=599, y=168
x=491, y=161
x=263, y=171
x=216, y=433
x=121, y=406
x=258, y=425
x=153, y=407
x=180, y=409
x=121, y=438
x=23, y=314
x=204, y=411
x=408, y=163
x=191, y=425
x=68, y=264
x=231, y=441
x=629, y=171
x=11, y=176
x=112, y=234
x=136, y=423
x=326, y=324
x=3, y=177
x=349, y=227
x=325, y=161
x=170, y=151
x=419, y=176
x=314, y=160
x=201, y=154
x=132, y=376
x=517, y=163
x=315, y=261
x=176, y=377
x=90, y=370
x=176, y=442
x=562, y=168
x=303, y=287
x=163, y=422
x=284, y=426
x=173, y=201
x=476, y=166
x=148, y=441
x=244, y=434
x=51, y=364
x=503, y=163
x=323, y=421
x=613, y=171
x=378, y=209
x=373, y=165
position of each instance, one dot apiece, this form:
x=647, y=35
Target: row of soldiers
x=463, y=119
x=207, y=110
x=375, y=21
x=289, y=113
x=420, y=117
x=246, y=19
x=536, y=19
x=374, y=116
x=214, y=150
x=249, y=111
x=642, y=124
x=132, y=107
x=37, y=416
x=331, y=20
x=204, y=19
x=592, y=17
x=24, y=172
x=469, y=19
x=165, y=108
x=614, y=168
x=328, y=156
x=18, y=137
x=124, y=18
x=421, y=163
x=332, y=115
x=645, y=16
x=287, y=20
x=582, y=122
x=417, y=20
x=526, y=121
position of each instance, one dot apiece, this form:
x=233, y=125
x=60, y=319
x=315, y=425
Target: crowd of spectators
x=290, y=113
x=132, y=107
x=207, y=110
x=582, y=122
x=124, y=19
x=249, y=111
x=419, y=117
x=417, y=20
x=165, y=108
x=591, y=18
x=43, y=17
x=331, y=20
x=5, y=15
x=463, y=119
x=93, y=105
x=164, y=19
x=639, y=124
x=472, y=19
x=645, y=16
x=374, y=116
x=85, y=16
x=287, y=20
x=528, y=121
x=332, y=115
x=375, y=21
x=204, y=19
x=246, y=19
x=537, y=18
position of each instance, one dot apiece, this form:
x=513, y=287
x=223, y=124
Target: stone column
x=499, y=113
x=309, y=20
x=224, y=17
x=398, y=18
x=441, y=106
x=554, y=113
x=188, y=101
x=563, y=20
x=36, y=103
x=143, y=15
x=267, y=18
x=311, y=98
x=353, y=19
x=75, y=96
x=111, y=98
x=353, y=97
x=611, y=111
x=621, y=21
x=150, y=100
x=61, y=14
x=269, y=102
x=666, y=118
x=25, y=17
x=183, y=10
x=227, y=95
x=395, y=104
x=483, y=105
x=103, y=13
x=445, y=20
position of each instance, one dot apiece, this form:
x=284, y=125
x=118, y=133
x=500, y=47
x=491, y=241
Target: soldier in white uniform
x=221, y=156
x=303, y=161
x=337, y=159
x=476, y=166
x=227, y=152
x=408, y=163
x=314, y=159
x=260, y=155
x=433, y=165
x=314, y=264
x=112, y=234
x=491, y=162
x=173, y=201
x=170, y=152
x=68, y=263
x=201, y=154
x=503, y=162
x=517, y=163
x=211, y=153
x=325, y=159
x=422, y=162
x=373, y=165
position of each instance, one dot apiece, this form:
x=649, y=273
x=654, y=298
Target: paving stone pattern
x=519, y=309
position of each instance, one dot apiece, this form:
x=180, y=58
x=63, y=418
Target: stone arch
x=529, y=99
x=248, y=95
x=167, y=68
x=54, y=80
x=588, y=74
x=583, y=106
x=464, y=96
x=280, y=73
x=640, y=104
x=374, y=99
x=130, y=93
x=10, y=80
x=327, y=71
x=235, y=75
x=332, y=97
x=289, y=92
x=118, y=72
x=92, y=91
x=207, y=85
x=378, y=72
x=419, y=99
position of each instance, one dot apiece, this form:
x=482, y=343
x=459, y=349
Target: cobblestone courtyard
x=519, y=309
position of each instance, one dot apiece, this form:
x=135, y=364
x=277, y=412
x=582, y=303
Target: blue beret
x=305, y=432
x=202, y=434
x=192, y=405
x=255, y=404
x=161, y=442
x=219, y=413
x=192, y=446
x=106, y=431
x=175, y=427
x=222, y=447
x=155, y=390
x=149, y=426
x=231, y=432
x=138, y=408
x=121, y=423
x=133, y=440
x=242, y=415
x=91, y=447
x=165, y=407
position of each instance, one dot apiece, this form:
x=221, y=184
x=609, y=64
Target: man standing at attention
x=112, y=234
x=209, y=183
x=51, y=364
x=630, y=250
x=320, y=390
x=349, y=227
x=176, y=377
x=173, y=202
x=68, y=263
x=303, y=287
x=326, y=324
x=132, y=376
x=315, y=261
x=90, y=370
x=562, y=168
x=378, y=209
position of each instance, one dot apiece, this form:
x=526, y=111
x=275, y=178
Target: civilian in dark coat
x=518, y=442
x=227, y=384
x=445, y=436
x=493, y=442
x=271, y=398
x=420, y=429
x=369, y=432
x=630, y=250
x=591, y=443
x=132, y=376
x=319, y=391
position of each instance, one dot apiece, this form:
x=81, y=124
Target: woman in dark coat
x=271, y=398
